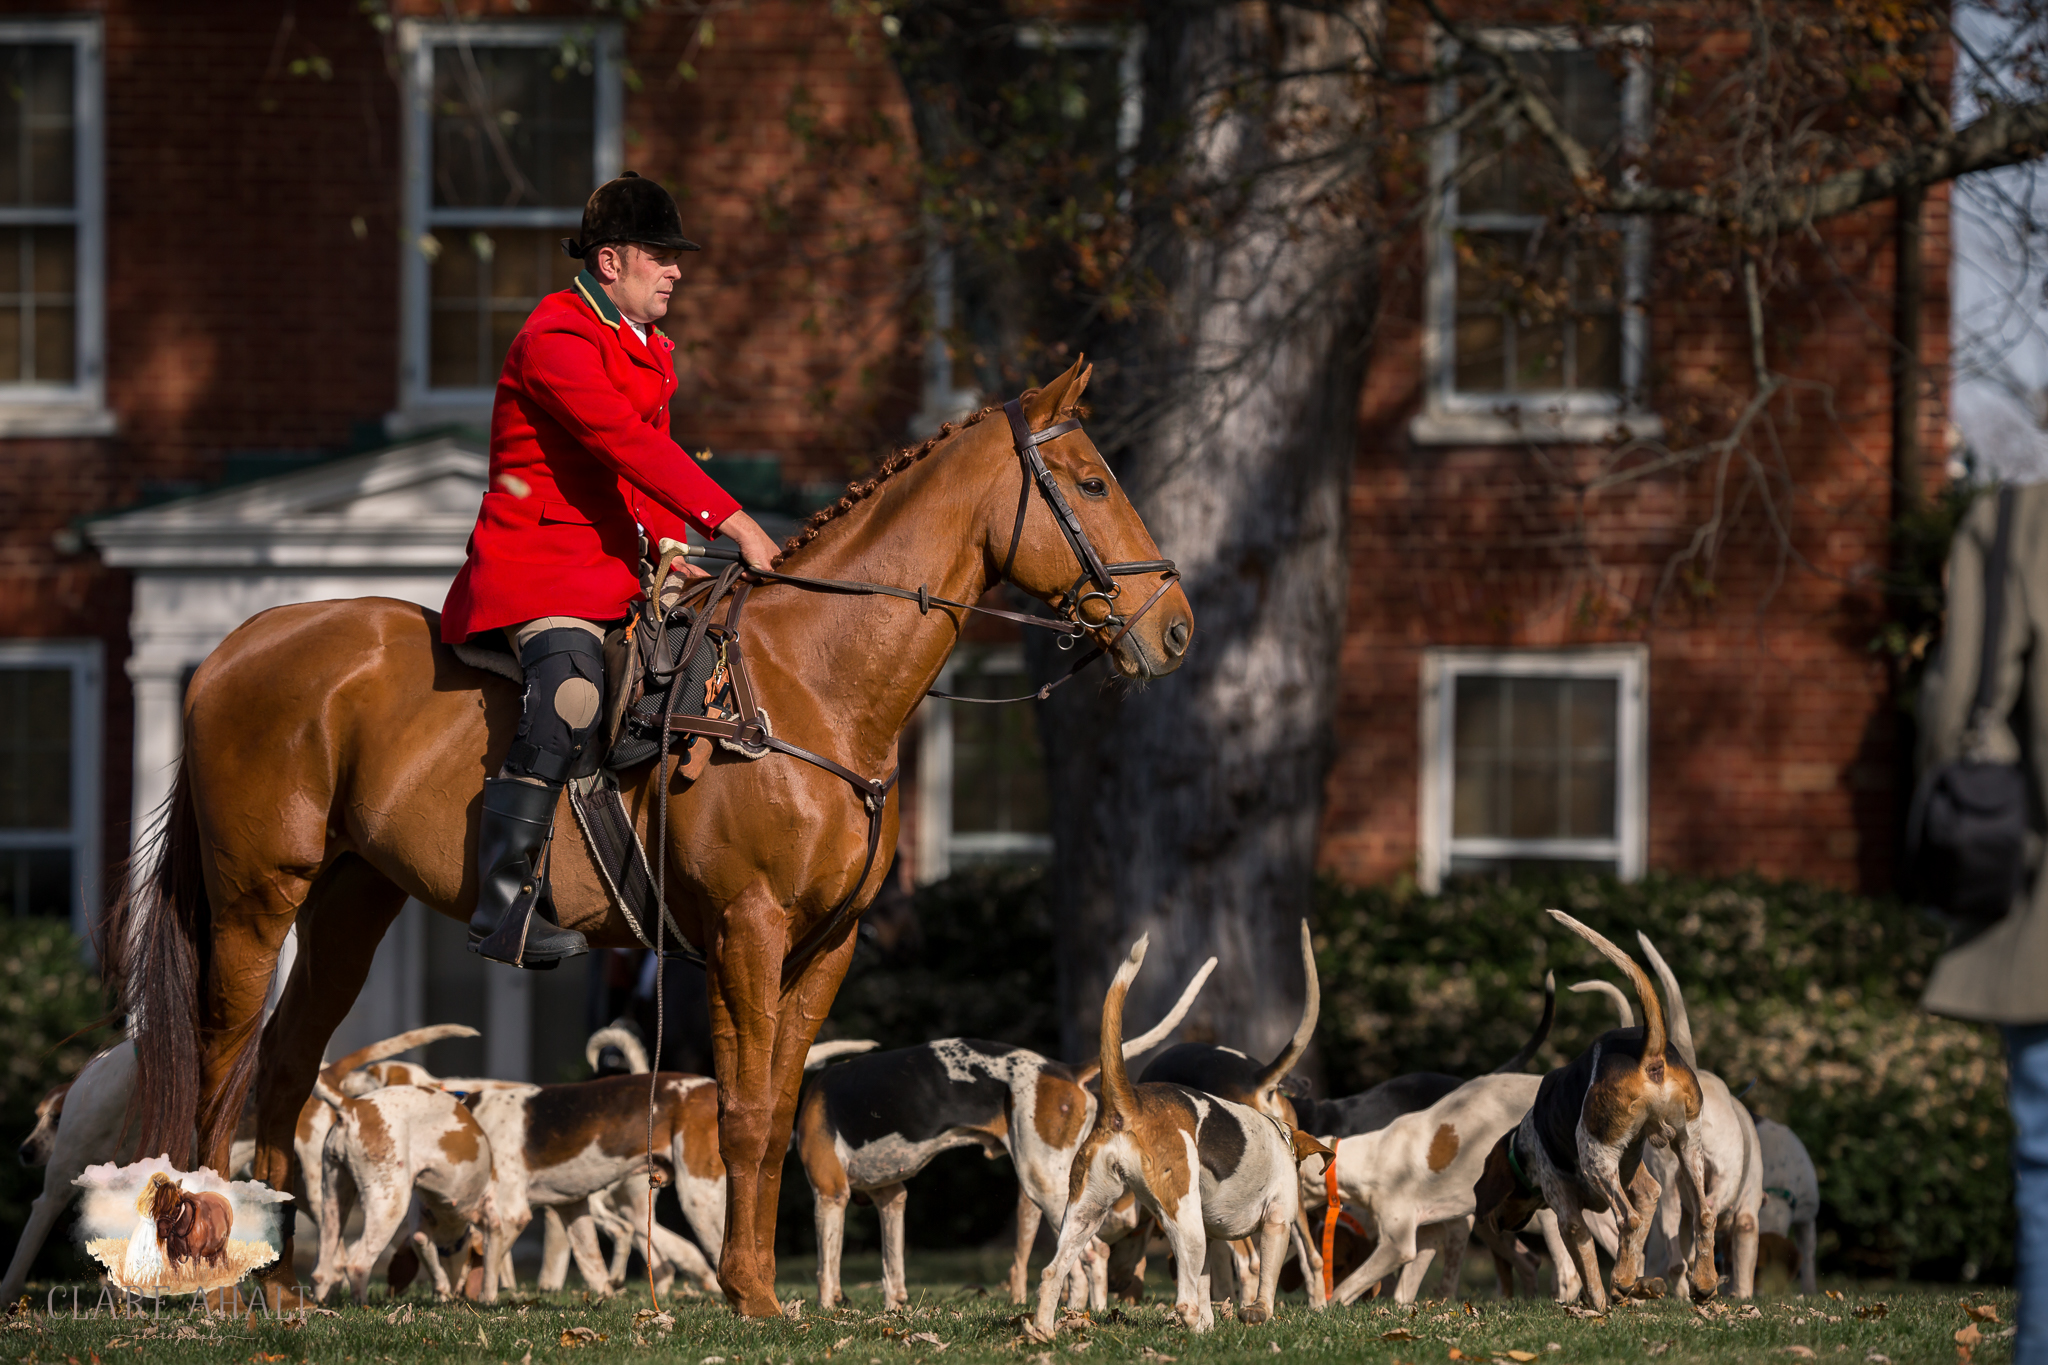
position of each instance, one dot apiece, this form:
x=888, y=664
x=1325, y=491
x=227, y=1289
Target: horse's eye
x=1094, y=488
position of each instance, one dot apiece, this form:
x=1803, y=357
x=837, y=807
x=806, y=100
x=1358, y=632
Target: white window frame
x=1454, y=416
x=937, y=844
x=1628, y=665
x=420, y=406
x=940, y=401
x=79, y=408
x=87, y=661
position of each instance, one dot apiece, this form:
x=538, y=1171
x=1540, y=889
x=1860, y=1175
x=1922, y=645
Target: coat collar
x=591, y=290
x=600, y=302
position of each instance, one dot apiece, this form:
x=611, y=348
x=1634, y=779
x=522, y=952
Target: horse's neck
x=867, y=661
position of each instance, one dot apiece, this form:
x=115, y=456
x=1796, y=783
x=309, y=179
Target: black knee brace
x=548, y=747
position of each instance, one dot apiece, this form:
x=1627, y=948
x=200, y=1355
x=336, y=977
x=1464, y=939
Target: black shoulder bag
x=1966, y=835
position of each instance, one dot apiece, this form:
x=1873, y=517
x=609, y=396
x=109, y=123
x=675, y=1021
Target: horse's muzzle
x=1140, y=657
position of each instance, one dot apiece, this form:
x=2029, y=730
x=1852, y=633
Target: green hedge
x=1808, y=992
x=50, y=1025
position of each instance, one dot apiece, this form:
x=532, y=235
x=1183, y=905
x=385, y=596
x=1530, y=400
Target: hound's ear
x=1056, y=400
x=1306, y=1147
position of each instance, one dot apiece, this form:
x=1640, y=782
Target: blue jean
x=2026, y=1050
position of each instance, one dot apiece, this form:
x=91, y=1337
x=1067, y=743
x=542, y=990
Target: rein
x=749, y=729
x=1070, y=626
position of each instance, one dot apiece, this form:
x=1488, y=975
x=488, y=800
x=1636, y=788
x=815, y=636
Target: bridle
x=1097, y=581
x=1103, y=577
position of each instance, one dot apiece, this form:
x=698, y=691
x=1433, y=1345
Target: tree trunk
x=1191, y=809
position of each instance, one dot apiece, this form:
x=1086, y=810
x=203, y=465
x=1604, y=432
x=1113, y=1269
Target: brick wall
x=1773, y=735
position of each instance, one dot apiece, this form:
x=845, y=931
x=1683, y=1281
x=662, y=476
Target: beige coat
x=2001, y=974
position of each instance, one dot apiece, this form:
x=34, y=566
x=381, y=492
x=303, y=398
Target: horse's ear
x=1056, y=400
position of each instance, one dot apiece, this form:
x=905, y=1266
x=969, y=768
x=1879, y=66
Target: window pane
x=38, y=280
x=998, y=767
x=35, y=748
x=35, y=881
x=1551, y=300
x=483, y=286
x=1514, y=171
x=513, y=126
x=1539, y=354
x=38, y=134
x=1534, y=758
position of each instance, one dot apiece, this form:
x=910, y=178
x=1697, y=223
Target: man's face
x=639, y=279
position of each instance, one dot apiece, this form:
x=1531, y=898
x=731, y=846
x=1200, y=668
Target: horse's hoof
x=1042, y=1335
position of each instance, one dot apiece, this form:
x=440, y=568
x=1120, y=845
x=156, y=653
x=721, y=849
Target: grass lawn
x=954, y=1315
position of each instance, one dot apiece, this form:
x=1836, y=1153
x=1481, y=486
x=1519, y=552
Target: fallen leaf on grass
x=583, y=1336
x=1983, y=1312
x=1574, y=1310
x=841, y=1344
x=647, y=1317
x=929, y=1338
x=1803, y=1352
x=1835, y=1294
x=398, y=1316
x=1398, y=1334
x=1520, y=1357
x=1149, y=1354
x=1274, y=1347
x=1968, y=1336
x=1871, y=1312
x=712, y=1360
x=1878, y=1358
x=1658, y=1348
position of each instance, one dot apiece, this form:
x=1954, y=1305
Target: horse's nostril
x=1177, y=637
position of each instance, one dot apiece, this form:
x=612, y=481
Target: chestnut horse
x=334, y=761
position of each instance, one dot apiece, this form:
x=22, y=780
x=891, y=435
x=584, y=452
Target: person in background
x=1997, y=972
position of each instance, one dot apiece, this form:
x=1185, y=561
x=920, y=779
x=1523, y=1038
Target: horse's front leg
x=759, y=1035
x=340, y=926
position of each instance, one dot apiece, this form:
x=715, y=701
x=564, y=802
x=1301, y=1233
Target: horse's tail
x=159, y=945
x=1118, y=1099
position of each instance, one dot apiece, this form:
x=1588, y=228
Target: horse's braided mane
x=860, y=490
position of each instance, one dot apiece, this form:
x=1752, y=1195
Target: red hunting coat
x=581, y=457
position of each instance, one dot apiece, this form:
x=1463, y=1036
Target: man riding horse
x=585, y=478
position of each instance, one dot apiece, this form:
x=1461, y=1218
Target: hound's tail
x=1305, y=1030
x=1156, y=1035
x=821, y=1053
x=1681, y=1025
x=1653, y=1011
x=1623, y=1011
x=625, y=1040
x=1118, y=1099
x=391, y=1047
x=159, y=945
x=1522, y=1058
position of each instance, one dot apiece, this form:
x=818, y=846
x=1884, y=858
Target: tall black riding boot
x=511, y=923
